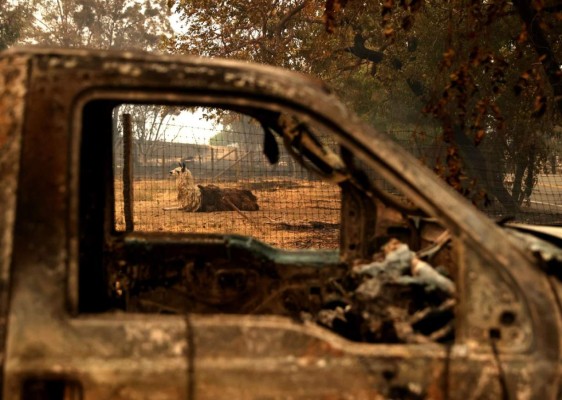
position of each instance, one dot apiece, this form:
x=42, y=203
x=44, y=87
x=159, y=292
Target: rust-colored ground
x=294, y=213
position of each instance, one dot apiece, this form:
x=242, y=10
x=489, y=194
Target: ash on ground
x=398, y=299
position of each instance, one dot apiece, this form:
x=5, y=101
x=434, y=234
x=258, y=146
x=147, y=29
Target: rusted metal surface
x=13, y=87
x=74, y=279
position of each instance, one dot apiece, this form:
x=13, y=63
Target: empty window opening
x=207, y=170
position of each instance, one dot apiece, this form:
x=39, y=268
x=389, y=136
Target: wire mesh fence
x=295, y=209
x=505, y=179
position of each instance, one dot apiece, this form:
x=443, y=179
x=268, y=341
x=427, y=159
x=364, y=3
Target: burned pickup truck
x=422, y=296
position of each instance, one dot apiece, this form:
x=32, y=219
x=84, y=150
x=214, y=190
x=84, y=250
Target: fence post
x=236, y=160
x=252, y=172
x=128, y=192
x=212, y=161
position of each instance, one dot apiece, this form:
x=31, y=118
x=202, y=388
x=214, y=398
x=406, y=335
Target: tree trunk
x=542, y=46
x=518, y=181
x=530, y=179
x=477, y=167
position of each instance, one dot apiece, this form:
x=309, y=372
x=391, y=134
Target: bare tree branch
x=285, y=20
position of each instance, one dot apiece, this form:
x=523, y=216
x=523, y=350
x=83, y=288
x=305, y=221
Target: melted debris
x=396, y=299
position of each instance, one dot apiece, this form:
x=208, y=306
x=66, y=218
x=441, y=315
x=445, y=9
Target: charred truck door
x=101, y=309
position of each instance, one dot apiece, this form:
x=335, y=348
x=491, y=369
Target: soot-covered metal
x=425, y=298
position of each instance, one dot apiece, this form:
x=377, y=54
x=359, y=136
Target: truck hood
x=544, y=242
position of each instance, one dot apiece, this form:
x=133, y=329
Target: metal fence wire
x=505, y=179
x=297, y=210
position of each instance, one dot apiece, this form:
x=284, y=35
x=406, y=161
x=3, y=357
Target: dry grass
x=293, y=213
